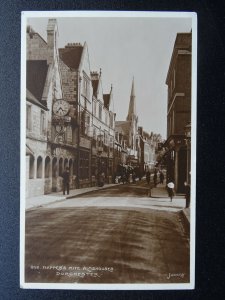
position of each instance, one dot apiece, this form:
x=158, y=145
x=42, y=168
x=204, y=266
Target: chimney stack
x=52, y=36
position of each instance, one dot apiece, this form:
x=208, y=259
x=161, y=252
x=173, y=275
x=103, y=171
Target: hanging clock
x=61, y=108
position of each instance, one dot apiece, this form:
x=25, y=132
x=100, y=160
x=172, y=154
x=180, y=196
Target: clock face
x=60, y=108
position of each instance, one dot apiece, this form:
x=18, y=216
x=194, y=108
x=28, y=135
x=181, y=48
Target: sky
x=127, y=47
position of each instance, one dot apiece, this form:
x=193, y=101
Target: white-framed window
x=111, y=120
x=106, y=138
x=100, y=112
x=94, y=107
x=86, y=87
x=42, y=123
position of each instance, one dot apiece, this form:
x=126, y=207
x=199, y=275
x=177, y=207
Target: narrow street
x=116, y=235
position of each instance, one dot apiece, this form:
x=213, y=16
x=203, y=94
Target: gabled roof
x=106, y=98
x=30, y=97
x=71, y=55
x=36, y=77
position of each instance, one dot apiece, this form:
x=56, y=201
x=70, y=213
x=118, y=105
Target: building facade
x=69, y=120
x=178, y=110
x=43, y=84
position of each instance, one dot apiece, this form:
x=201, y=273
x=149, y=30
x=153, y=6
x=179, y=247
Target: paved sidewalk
x=161, y=192
x=42, y=200
x=39, y=201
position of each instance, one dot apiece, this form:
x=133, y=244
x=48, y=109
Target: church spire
x=132, y=106
x=132, y=94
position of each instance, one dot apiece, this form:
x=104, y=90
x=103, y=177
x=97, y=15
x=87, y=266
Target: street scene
x=107, y=177
x=114, y=235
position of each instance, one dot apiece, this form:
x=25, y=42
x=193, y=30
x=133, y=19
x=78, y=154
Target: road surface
x=118, y=235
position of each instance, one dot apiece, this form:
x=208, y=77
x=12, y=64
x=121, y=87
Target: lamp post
x=188, y=143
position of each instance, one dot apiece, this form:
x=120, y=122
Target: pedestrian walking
x=187, y=193
x=66, y=181
x=170, y=187
x=161, y=177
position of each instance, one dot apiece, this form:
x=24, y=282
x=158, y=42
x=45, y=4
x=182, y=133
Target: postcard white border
x=107, y=14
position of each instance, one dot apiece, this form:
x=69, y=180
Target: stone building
x=77, y=91
x=69, y=120
x=102, y=129
x=94, y=120
x=178, y=109
x=148, y=149
x=43, y=85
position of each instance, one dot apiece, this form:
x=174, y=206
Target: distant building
x=103, y=130
x=178, y=109
x=148, y=149
x=128, y=130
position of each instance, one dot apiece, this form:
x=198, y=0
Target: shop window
x=82, y=122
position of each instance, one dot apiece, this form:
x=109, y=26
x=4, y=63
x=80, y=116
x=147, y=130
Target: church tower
x=133, y=119
x=132, y=114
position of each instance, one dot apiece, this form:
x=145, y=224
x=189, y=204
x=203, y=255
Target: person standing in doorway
x=66, y=181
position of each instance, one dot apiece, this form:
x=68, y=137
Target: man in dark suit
x=66, y=181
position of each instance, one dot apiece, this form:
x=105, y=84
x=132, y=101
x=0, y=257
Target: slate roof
x=71, y=56
x=30, y=97
x=36, y=77
x=106, y=98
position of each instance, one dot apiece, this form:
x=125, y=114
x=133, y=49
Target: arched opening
x=39, y=167
x=71, y=167
x=60, y=167
x=54, y=167
x=31, y=167
x=47, y=167
x=65, y=163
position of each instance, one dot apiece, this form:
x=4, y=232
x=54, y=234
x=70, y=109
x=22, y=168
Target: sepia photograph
x=108, y=150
